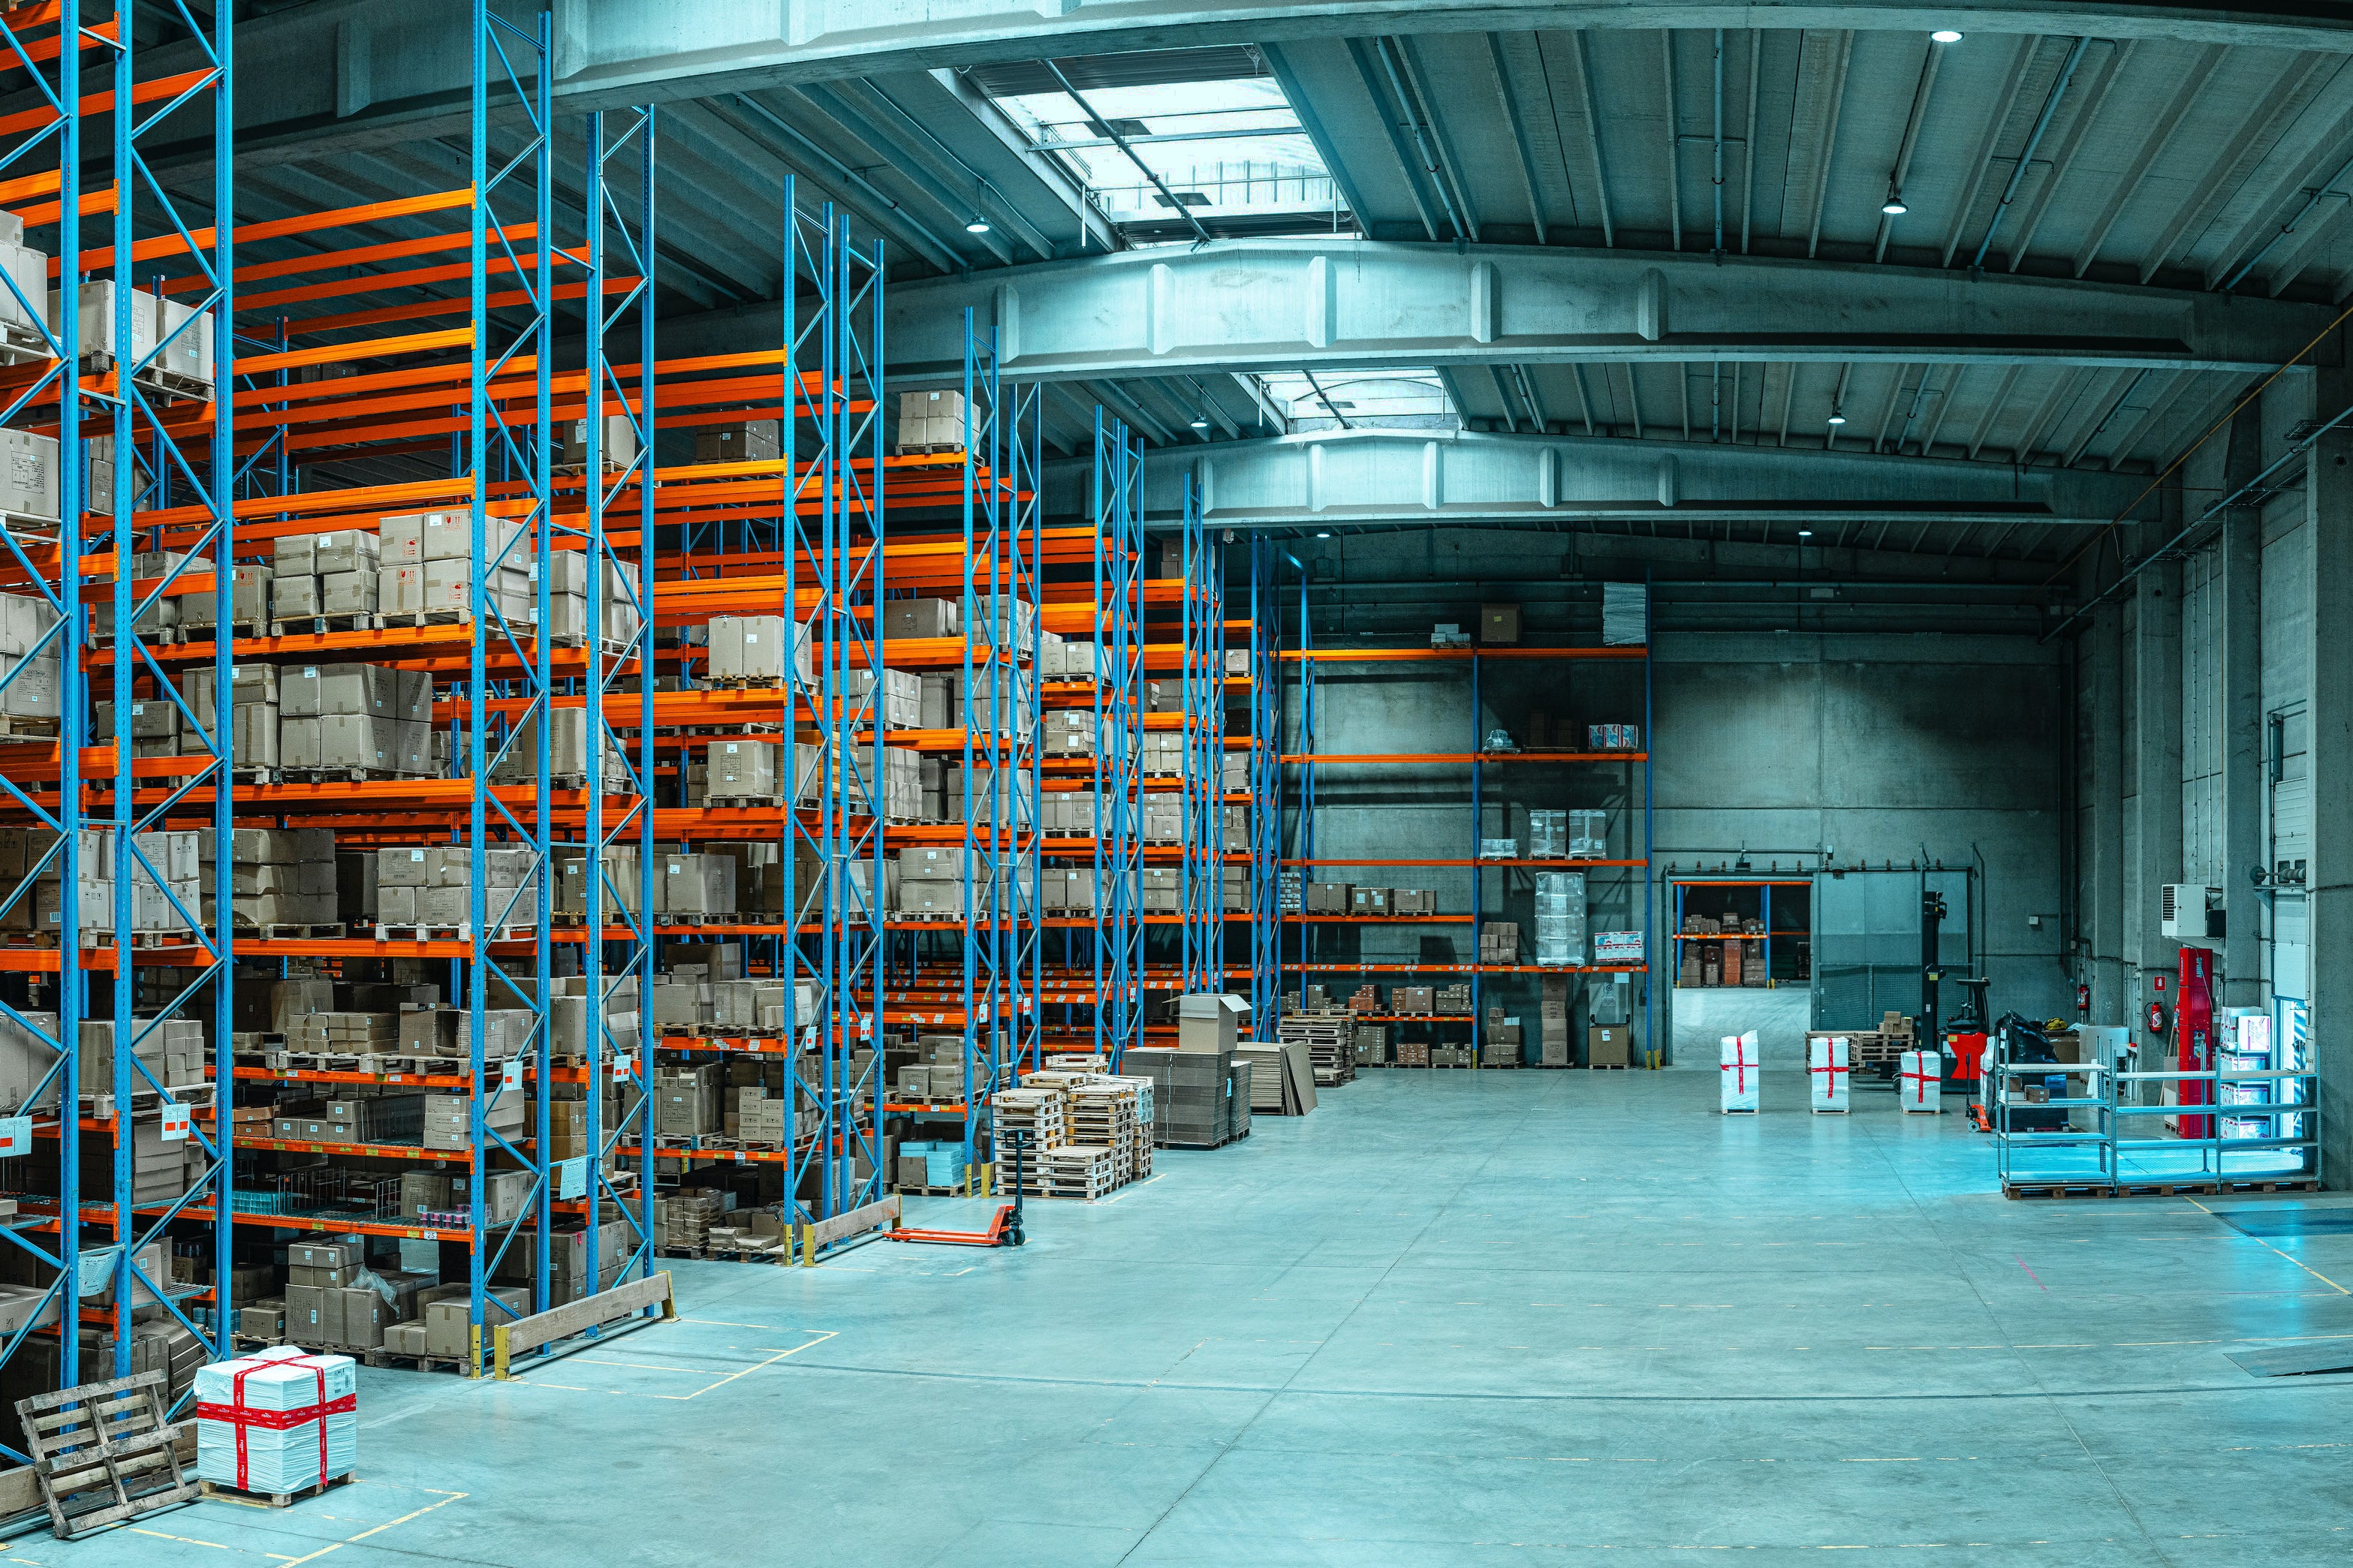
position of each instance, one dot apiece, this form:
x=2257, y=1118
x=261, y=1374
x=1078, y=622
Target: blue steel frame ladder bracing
x=1203, y=695
x=514, y=67
x=1265, y=823
x=101, y=831
x=1000, y=594
x=1117, y=497
x=618, y=836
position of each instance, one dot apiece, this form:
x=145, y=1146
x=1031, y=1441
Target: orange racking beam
x=359, y=255
x=304, y=223
x=156, y=91
x=1414, y=655
x=1509, y=865
x=1418, y=758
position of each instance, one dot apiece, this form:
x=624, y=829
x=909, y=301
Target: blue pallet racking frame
x=1117, y=500
x=513, y=66
x=1003, y=566
x=1202, y=965
x=1266, y=785
x=618, y=954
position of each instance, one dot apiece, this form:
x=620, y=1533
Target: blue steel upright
x=1118, y=537
x=1265, y=824
x=513, y=66
x=1203, y=769
x=617, y=833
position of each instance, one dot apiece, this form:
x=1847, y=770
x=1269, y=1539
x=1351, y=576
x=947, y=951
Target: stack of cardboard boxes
x=315, y=575
x=1552, y=1017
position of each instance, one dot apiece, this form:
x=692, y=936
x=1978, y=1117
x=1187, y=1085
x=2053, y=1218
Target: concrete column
x=2104, y=914
x=2156, y=751
x=2328, y=515
x=2242, y=718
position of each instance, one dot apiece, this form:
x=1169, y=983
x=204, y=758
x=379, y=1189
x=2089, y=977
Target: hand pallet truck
x=1004, y=1230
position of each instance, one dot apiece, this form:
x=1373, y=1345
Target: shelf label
x=511, y=1074
x=15, y=1136
x=624, y=1067
x=572, y=1178
x=177, y=1119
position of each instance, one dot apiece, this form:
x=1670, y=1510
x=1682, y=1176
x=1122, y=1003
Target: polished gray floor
x=1450, y=1317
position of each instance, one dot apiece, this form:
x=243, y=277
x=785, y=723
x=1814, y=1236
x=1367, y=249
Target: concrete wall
x=1874, y=747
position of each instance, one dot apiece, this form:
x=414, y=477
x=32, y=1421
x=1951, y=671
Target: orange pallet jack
x=1004, y=1230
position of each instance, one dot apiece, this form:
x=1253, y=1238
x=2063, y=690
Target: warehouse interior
x=980, y=782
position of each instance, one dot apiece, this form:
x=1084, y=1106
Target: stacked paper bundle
x=1827, y=1071
x=1740, y=1072
x=1920, y=1081
x=277, y=1421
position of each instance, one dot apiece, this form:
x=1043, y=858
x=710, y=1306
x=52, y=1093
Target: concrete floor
x=1450, y=1319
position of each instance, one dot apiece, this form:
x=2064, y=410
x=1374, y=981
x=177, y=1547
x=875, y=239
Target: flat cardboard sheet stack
x=1282, y=1080
x=259, y=1420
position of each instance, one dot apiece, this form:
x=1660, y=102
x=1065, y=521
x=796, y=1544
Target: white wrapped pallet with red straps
x=1740, y=1073
x=276, y=1423
x=1829, y=1074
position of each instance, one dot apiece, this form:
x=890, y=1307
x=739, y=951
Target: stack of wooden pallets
x=1104, y=1111
x=1078, y=1170
x=1042, y=1113
x=1330, y=1039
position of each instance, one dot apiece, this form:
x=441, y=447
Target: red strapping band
x=243, y=1417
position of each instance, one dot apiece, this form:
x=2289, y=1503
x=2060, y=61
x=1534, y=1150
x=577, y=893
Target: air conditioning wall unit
x=2188, y=912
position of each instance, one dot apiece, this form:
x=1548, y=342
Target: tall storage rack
x=1202, y=688
x=1118, y=501
x=73, y=161
x=1002, y=693
x=1266, y=785
x=1475, y=760
x=800, y=537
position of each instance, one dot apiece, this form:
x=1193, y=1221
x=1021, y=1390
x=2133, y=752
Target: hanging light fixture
x=1945, y=36
x=1894, y=205
x=1837, y=416
x=1200, y=422
x=978, y=225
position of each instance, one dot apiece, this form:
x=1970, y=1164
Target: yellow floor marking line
x=2267, y=1246
x=818, y=1337
x=182, y=1540
x=447, y=1499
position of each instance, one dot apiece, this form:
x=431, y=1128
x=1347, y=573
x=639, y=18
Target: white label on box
x=178, y=1118
x=15, y=1136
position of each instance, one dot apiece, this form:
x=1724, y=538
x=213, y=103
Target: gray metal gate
x=1867, y=942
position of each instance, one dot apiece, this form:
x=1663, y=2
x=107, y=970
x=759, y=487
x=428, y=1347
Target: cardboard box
x=1206, y=1021
x=1609, y=1047
x=1499, y=622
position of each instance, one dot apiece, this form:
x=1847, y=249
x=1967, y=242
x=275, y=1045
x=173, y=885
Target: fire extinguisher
x=2084, y=1001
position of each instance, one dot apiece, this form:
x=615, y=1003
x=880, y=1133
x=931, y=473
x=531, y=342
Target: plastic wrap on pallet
x=1829, y=1073
x=1740, y=1072
x=277, y=1421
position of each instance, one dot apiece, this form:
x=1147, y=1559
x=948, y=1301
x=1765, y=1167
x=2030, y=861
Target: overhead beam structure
x=324, y=78
x=1344, y=477
x=1271, y=304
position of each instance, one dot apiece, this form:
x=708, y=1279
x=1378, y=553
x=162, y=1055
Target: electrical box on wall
x=2189, y=913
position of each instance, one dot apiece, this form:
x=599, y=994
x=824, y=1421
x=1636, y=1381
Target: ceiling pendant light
x=1894, y=205
x=978, y=225
x=1837, y=417
x=1200, y=422
x=1945, y=36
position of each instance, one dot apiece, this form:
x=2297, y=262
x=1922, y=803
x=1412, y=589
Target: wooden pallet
x=281, y=932
x=314, y=625
x=2058, y=1190
x=457, y=932
x=110, y=1441
x=277, y=1500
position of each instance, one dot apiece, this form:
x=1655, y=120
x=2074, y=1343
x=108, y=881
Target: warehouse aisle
x=1452, y=1318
